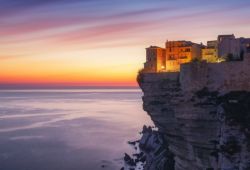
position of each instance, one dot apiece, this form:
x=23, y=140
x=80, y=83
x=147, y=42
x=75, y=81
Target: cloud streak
x=49, y=28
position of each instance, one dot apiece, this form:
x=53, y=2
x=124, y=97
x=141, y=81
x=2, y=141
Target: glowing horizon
x=92, y=42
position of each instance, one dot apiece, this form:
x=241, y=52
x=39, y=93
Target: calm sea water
x=85, y=129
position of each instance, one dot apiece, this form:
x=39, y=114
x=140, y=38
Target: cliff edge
x=203, y=112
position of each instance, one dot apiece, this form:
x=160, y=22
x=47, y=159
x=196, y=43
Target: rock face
x=152, y=152
x=204, y=114
x=155, y=148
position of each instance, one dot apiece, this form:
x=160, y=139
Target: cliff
x=151, y=152
x=203, y=112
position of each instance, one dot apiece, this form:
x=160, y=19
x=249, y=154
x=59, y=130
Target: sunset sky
x=102, y=42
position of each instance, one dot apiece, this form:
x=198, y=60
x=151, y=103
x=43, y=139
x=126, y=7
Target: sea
x=69, y=129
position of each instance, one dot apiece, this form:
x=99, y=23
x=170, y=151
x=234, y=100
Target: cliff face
x=204, y=114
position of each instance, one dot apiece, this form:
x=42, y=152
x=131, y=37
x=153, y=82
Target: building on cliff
x=156, y=59
x=175, y=53
x=179, y=52
x=229, y=45
x=168, y=59
x=210, y=52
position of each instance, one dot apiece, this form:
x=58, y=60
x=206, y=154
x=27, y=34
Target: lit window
x=183, y=57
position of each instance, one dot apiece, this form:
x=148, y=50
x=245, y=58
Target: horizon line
x=66, y=86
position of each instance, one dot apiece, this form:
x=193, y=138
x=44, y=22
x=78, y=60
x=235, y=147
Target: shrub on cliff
x=139, y=77
x=195, y=60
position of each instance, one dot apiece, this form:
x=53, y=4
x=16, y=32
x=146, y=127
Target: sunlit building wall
x=210, y=52
x=178, y=52
x=155, y=59
x=175, y=53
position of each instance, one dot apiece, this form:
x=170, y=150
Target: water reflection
x=68, y=129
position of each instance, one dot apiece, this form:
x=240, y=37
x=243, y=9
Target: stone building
x=229, y=45
x=179, y=52
x=169, y=59
x=210, y=52
x=155, y=59
x=175, y=53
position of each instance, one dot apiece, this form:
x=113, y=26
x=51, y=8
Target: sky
x=102, y=42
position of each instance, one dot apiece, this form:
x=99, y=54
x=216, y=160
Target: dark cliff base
x=204, y=129
x=151, y=152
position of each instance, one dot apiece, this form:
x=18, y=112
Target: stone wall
x=156, y=77
x=222, y=77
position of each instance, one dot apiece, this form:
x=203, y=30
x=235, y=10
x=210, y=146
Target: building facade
x=155, y=59
x=229, y=45
x=175, y=53
x=179, y=52
x=210, y=52
x=169, y=59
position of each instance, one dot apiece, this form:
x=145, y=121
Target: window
x=171, y=57
x=183, y=57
